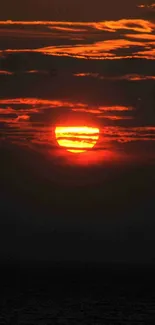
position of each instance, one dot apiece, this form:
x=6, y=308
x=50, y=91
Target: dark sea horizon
x=78, y=293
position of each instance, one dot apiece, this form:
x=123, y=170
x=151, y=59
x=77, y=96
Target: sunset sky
x=61, y=61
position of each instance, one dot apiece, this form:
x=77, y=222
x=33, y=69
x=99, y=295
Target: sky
x=69, y=10
x=92, y=62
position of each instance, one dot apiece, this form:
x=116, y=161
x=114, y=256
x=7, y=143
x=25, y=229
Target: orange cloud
x=3, y=72
x=21, y=128
x=68, y=29
x=138, y=25
x=22, y=118
x=30, y=33
x=7, y=110
x=135, y=77
x=133, y=133
x=115, y=108
x=88, y=31
x=149, y=6
x=35, y=102
x=141, y=36
x=98, y=50
x=115, y=117
x=32, y=71
x=132, y=77
x=86, y=110
x=149, y=54
x=41, y=102
x=88, y=74
x=103, y=109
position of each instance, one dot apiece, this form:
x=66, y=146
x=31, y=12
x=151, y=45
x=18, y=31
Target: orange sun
x=76, y=139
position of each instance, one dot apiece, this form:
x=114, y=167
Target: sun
x=76, y=139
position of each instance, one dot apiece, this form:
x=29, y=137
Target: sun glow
x=76, y=139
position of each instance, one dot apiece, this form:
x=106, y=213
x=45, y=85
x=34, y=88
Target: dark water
x=79, y=294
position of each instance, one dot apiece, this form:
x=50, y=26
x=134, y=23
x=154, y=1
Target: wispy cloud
x=91, y=39
x=40, y=102
x=130, y=77
x=115, y=117
x=5, y=73
x=23, y=108
x=137, y=25
x=147, y=6
x=98, y=50
x=141, y=36
x=19, y=126
x=68, y=29
x=108, y=109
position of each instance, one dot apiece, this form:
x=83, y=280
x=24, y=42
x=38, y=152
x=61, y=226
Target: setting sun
x=76, y=139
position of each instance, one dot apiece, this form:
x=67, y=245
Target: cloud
x=68, y=29
x=147, y=6
x=30, y=120
x=39, y=102
x=129, y=77
x=115, y=117
x=5, y=72
x=99, y=50
x=54, y=69
x=22, y=118
x=137, y=25
x=91, y=38
x=141, y=36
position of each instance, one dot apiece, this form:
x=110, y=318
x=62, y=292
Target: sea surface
x=79, y=295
